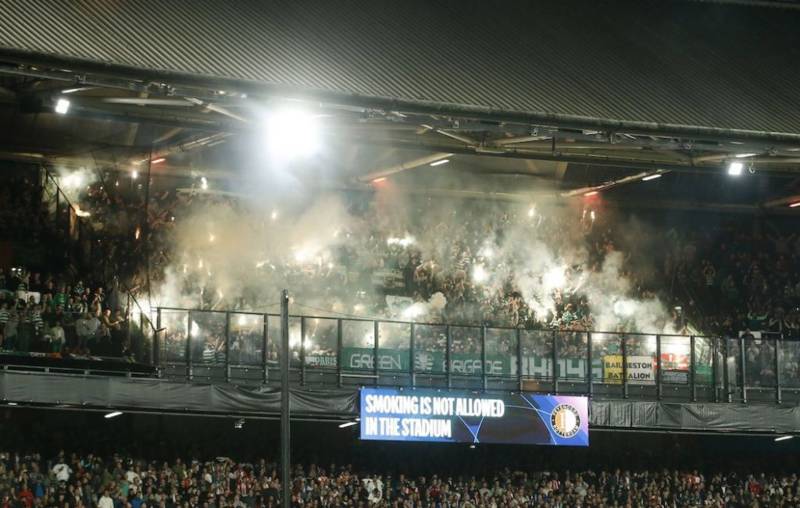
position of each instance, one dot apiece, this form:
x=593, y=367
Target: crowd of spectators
x=735, y=280
x=713, y=280
x=47, y=314
x=704, y=289
x=118, y=481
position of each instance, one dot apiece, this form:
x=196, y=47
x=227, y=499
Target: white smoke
x=75, y=182
x=224, y=252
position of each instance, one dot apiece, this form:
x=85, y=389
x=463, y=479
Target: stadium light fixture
x=134, y=174
x=62, y=106
x=12, y=403
x=795, y=204
x=292, y=134
x=158, y=160
x=439, y=163
x=112, y=414
x=735, y=168
x=347, y=424
x=651, y=177
x=783, y=438
x=204, y=183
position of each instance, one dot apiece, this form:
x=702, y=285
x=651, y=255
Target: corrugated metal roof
x=688, y=63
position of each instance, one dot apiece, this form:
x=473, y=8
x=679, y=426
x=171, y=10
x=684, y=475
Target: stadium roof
x=708, y=65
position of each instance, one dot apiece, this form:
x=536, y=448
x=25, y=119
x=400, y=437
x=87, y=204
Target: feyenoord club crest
x=565, y=420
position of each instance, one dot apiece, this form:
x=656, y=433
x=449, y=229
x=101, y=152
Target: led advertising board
x=464, y=417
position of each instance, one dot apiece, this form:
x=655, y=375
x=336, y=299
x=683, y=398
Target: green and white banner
x=469, y=364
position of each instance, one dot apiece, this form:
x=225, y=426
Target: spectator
x=105, y=500
x=11, y=330
x=57, y=337
x=86, y=328
x=61, y=469
x=4, y=316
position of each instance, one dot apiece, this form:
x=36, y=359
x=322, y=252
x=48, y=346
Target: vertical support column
x=227, y=347
x=519, y=359
x=447, y=364
x=777, y=368
x=189, y=372
x=412, y=357
x=725, y=371
x=742, y=367
x=142, y=333
x=376, y=329
x=714, y=366
x=692, y=370
x=302, y=350
x=339, y=352
x=589, y=371
x=129, y=323
x=484, y=381
x=554, y=361
x=157, y=340
x=623, y=343
x=286, y=490
x=658, y=367
x=264, y=350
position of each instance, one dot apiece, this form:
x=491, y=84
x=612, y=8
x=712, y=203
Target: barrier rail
x=244, y=347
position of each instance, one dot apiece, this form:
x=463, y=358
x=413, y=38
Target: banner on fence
x=641, y=369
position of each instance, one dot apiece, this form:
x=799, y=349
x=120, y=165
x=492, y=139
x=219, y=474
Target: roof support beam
x=384, y=172
x=177, y=80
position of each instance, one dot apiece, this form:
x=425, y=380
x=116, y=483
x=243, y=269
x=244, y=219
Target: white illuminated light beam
x=347, y=424
x=439, y=163
x=783, y=438
x=651, y=177
x=112, y=414
x=594, y=190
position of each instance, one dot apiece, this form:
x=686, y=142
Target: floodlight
x=735, y=168
x=292, y=134
x=62, y=106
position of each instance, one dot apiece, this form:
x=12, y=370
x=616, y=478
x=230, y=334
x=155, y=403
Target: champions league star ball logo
x=565, y=420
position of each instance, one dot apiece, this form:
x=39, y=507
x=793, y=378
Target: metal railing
x=244, y=347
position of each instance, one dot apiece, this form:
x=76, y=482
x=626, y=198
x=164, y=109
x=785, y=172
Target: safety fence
x=244, y=348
